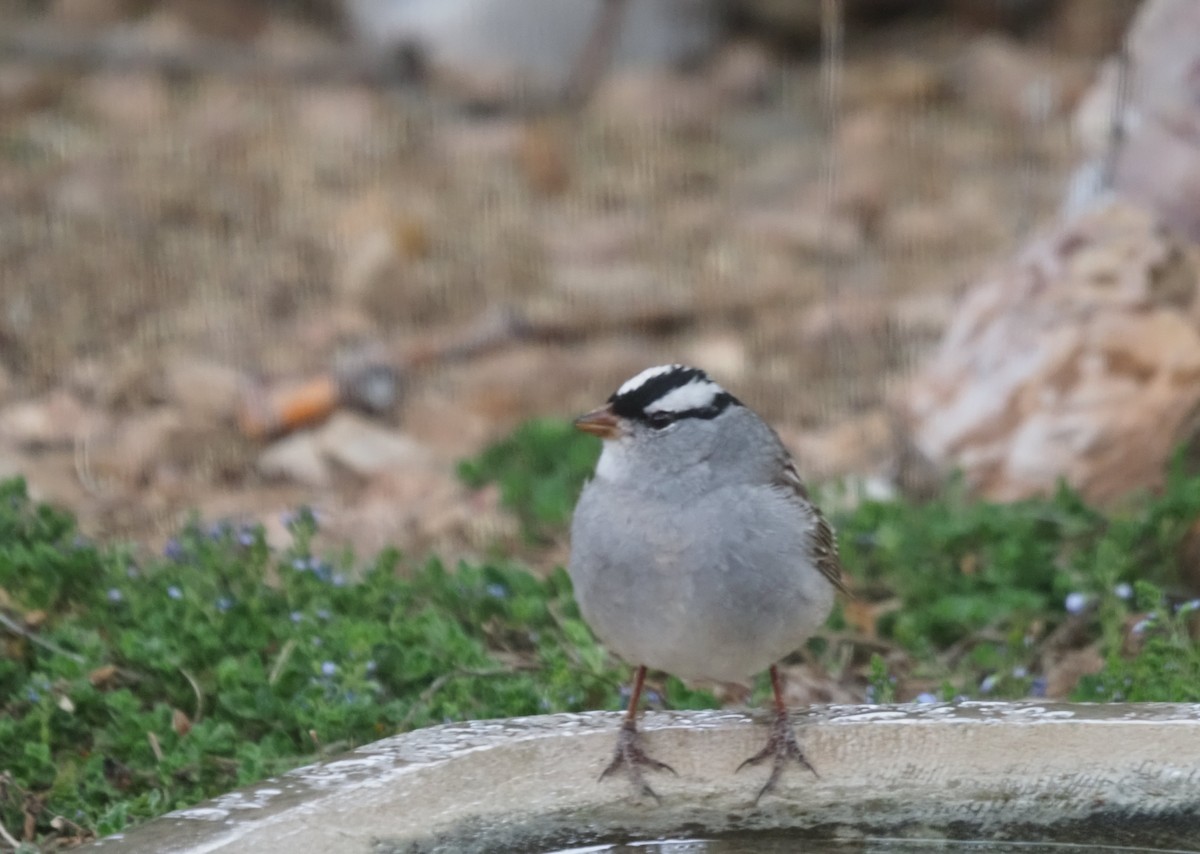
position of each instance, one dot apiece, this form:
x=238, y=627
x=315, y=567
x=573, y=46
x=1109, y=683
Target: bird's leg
x=782, y=744
x=629, y=754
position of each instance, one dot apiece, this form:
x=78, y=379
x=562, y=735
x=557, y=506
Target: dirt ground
x=175, y=245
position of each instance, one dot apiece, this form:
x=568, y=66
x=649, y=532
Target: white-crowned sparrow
x=695, y=548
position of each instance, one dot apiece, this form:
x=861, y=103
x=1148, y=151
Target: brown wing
x=824, y=543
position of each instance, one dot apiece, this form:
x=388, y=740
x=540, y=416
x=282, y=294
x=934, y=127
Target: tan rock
x=1011, y=80
x=129, y=99
x=91, y=14
x=129, y=451
x=24, y=88
x=205, y=391
x=422, y=509
x=365, y=448
x=657, y=99
x=55, y=421
x=1080, y=359
x=743, y=72
x=805, y=231
x=1157, y=163
x=298, y=458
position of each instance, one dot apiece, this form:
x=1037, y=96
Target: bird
x=696, y=550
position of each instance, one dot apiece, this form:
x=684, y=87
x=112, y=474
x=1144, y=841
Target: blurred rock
x=94, y=14
x=366, y=449
x=941, y=226
x=425, y=509
x=595, y=240
x=298, y=458
x=24, y=88
x=545, y=158
x=894, y=81
x=855, y=446
x=783, y=19
x=206, y=392
x=1158, y=161
x=1080, y=359
x=865, y=142
x=805, y=230
x=338, y=116
x=744, y=73
x=131, y=449
x=131, y=98
x=658, y=99
x=54, y=421
x=1006, y=78
x=491, y=50
x=232, y=20
x=1087, y=28
x=723, y=356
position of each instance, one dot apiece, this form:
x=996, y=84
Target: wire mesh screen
x=223, y=223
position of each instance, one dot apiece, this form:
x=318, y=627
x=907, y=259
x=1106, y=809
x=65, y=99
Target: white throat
x=614, y=463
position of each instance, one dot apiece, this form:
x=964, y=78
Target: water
x=776, y=844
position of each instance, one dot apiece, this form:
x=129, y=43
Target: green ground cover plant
x=133, y=685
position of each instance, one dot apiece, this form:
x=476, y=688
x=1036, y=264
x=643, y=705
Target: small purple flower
x=371, y=666
x=497, y=591
x=988, y=684
x=339, y=580
x=328, y=668
x=173, y=549
x=322, y=613
x=1139, y=628
x=296, y=616
x=115, y=595
x=247, y=536
x=1037, y=688
x=174, y=592
x=1019, y=672
x=1188, y=606
x=1075, y=603
x=1124, y=590
x=224, y=603
x=32, y=695
x=925, y=698
x=218, y=530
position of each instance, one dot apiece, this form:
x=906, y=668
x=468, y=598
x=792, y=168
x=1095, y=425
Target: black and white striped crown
x=668, y=393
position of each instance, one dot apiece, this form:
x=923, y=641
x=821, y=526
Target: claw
x=630, y=757
x=780, y=747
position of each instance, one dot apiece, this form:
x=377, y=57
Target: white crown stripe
x=644, y=377
x=695, y=395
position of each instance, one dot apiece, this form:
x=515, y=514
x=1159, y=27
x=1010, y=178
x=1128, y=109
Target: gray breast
x=719, y=586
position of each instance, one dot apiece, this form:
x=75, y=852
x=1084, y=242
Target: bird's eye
x=659, y=420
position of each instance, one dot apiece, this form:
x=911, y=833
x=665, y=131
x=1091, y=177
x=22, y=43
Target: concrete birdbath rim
x=529, y=784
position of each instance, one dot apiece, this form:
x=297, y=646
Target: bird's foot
x=630, y=758
x=781, y=746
